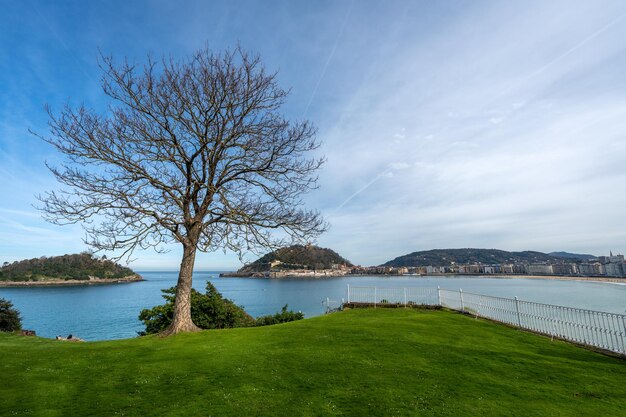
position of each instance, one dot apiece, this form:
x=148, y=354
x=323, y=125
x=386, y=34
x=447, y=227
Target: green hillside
x=383, y=362
x=297, y=257
x=68, y=267
x=444, y=257
x=574, y=256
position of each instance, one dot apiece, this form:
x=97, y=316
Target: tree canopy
x=194, y=151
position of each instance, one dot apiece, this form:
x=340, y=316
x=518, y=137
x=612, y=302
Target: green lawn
x=361, y=362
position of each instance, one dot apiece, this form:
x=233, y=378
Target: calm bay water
x=110, y=311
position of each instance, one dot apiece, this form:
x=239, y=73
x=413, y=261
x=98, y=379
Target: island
x=75, y=269
x=296, y=261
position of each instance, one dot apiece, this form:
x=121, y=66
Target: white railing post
x=348, y=293
x=519, y=319
x=375, y=296
x=462, y=304
x=439, y=295
x=405, y=297
x=623, y=335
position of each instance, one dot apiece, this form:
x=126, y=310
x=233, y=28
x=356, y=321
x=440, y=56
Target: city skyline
x=446, y=125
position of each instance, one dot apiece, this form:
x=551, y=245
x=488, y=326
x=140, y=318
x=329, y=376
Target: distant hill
x=66, y=267
x=443, y=257
x=567, y=255
x=296, y=257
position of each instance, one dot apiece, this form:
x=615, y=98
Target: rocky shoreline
x=286, y=274
x=62, y=282
x=336, y=274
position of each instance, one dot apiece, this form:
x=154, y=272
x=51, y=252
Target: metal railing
x=593, y=328
x=331, y=306
x=406, y=296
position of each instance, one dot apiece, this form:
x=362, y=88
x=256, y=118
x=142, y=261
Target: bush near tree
x=10, y=320
x=283, y=317
x=209, y=311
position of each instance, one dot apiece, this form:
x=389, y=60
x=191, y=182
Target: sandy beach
x=557, y=277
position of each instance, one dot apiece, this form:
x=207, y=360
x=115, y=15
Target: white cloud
x=398, y=165
x=548, y=177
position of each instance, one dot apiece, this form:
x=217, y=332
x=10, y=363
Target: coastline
x=62, y=282
x=272, y=275
x=560, y=277
x=282, y=275
x=524, y=276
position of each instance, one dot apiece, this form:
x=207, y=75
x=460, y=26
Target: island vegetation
x=363, y=362
x=297, y=257
x=83, y=267
x=296, y=260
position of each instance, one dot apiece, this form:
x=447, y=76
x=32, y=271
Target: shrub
x=283, y=317
x=10, y=319
x=208, y=311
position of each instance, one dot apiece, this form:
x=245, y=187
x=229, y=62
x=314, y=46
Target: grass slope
x=362, y=362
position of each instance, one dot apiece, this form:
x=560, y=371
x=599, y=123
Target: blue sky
x=445, y=124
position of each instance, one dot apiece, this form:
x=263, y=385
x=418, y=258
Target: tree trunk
x=181, y=322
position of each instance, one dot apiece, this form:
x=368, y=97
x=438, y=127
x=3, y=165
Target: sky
x=447, y=124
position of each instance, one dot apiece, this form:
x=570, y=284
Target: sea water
x=101, y=312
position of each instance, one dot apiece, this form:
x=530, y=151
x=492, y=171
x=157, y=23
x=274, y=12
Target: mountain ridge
x=444, y=257
x=569, y=255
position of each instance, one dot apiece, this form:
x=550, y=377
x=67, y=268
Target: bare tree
x=193, y=151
